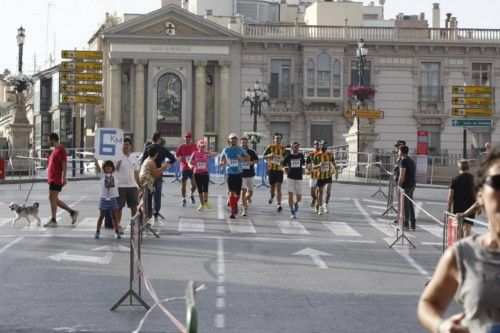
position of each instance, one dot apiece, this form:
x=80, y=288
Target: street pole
x=20, y=42
x=464, y=152
x=254, y=144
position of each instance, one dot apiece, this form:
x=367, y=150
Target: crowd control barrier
x=401, y=219
x=452, y=230
x=390, y=195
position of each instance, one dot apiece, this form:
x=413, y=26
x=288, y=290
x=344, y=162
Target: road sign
x=472, y=112
x=368, y=114
x=67, y=54
x=67, y=76
x=471, y=101
x=471, y=90
x=472, y=122
x=70, y=88
x=81, y=99
x=80, y=66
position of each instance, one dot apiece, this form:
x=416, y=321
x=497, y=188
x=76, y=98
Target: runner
x=183, y=153
x=293, y=165
x=198, y=161
x=322, y=163
x=275, y=153
x=231, y=159
x=330, y=184
x=248, y=175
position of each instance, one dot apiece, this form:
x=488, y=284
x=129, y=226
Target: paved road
x=263, y=273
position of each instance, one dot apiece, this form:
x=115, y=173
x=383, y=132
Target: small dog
x=25, y=212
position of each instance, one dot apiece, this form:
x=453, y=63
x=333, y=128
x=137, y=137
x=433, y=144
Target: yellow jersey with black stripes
x=323, y=164
x=309, y=161
x=275, y=163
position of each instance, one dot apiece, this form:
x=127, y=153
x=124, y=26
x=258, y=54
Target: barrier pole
x=401, y=218
x=390, y=196
x=379, y=181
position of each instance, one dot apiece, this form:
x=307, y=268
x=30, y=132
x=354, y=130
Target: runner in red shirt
x=183, y=154
x=57, y=179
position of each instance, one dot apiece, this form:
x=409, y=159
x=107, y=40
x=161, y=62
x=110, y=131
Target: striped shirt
x=322, y=162
x=275, y=163
x=309, y=161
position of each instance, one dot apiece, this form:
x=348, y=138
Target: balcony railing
x=280, y=90
x=280, y=31
x=430, y=93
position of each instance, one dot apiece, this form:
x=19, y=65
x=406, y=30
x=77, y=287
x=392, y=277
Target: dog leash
x=31, y=188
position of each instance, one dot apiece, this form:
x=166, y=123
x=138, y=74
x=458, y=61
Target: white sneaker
x=244, y=212
x=51, y=224
x=325, y=208
x=319, y=211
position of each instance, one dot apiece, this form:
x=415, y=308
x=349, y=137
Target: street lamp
x=361, y=53
x=255, y=97
x=20, y=42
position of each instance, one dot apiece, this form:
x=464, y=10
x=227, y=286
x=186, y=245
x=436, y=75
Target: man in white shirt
x=128, y=181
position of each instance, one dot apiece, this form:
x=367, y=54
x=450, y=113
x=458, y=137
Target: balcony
x=280, y=90
x=432, y=94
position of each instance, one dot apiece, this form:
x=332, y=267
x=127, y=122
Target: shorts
x=313, y=182
x=187, y=174
x=111, y=204
x=201, y=180
x=275, y=177
x=129, y=196
x=234, y=182
x=322, y=182
x=248, y=183
x=55, y=187
x=295, y=186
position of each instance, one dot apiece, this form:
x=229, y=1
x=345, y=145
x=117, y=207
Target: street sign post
x=81, y=99
x=471, y=101
x=68, y=54
x=80, y=66
x=484, y=90
x=71, y=88
x=367, y=114
x=471, y=112
x=472, y=122
x=68, y=76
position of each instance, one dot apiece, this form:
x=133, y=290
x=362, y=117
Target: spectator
x=461, y=194
x=407, y=182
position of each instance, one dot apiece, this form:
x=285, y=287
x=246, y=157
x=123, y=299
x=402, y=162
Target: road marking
x=314, y=255
x=71, y=205
x=432, y=243
x=219, y=320
x=4, y=221
x=114, y=248
x=292, y=228
x=88, y=223
x=10, y=244
x=377, y=207
x=393, y=226
x=377, y=212
x=241, y=226
x=354, y=241
x=404, y=251
x=417, y=208
x=375, y=201
x=433, y=229
x=341, y=229
x=191, y=225
x=221, y=291
x=220, y=207
x=436, y=203
x=220, y=303
x=34, y=227
x=79, y=258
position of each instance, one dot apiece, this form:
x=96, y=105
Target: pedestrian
x=313, y=174
x=198, y=162
x=109, y=195
x=469, y=271
x=461, y=195
x=407, y=181
x=248, y=175
x=322, y=163
x=231, y=158
x=395, y=171
x=162, y=155
x=56, y=178
x=128, y=181
x=275, y=154
x=183, y=153
x=293, y=165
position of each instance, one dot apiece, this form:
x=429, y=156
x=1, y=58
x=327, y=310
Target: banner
x=452, y=230
x=108, y=143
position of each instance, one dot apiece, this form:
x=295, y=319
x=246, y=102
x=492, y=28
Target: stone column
x=139, y=112
x=200, y=99
x=114, y=112
x=224, y=111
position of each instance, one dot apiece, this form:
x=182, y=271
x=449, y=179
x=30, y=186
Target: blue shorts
x=111, y=204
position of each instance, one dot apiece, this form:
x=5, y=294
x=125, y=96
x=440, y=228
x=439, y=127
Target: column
x=200, y=99
x=139, y=112
x=224, y=102
x=114, y=112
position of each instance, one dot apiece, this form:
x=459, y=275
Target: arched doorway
x=169, y=105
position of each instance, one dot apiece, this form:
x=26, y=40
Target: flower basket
x=361, y=92
x=19, y=82
x=253, y=137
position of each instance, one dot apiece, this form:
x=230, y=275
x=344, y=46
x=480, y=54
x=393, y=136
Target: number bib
x=325, y=167
x=295, y=163
x=276, y=160
x=233, y=162
x=201, y=165
x=245, y=165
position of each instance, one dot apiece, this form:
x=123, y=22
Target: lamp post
x=20, y=42
x=361, y=53
x=255, y=97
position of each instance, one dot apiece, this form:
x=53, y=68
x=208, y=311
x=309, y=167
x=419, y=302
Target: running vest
x=275, y=163
x=324, y=160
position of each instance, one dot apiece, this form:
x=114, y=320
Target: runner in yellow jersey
x=322, y=163
x=312, y=173
x=275, y=154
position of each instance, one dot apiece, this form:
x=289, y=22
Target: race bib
x=276, y=160
x=245, y=165
x=325, y=167
x=233, y=162
x=201, y=165
x=295, y=163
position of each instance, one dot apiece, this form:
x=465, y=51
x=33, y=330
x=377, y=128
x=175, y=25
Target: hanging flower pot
x=19, y=82
x=360, y=92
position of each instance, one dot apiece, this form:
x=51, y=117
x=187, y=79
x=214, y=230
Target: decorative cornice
x=140, y=62
x=200, y=64
x=224, y=64
x=115, y=61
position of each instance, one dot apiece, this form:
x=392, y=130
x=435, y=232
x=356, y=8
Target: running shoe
x=97, y=234
x=270, y=201
x=313, y=203
x=279, y=208
x=192, y=199
x=74, y=216
x=232, y=216
x=296, y=207
x=292, y=214
x=318, y=210
x=51, y=224
x=183, y=204
x=207, y=205
x=200, y=207
x=325, y=208
x=117, y=234
x=244, y=212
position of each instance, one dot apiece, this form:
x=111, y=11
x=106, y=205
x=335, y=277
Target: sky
x=72, y=22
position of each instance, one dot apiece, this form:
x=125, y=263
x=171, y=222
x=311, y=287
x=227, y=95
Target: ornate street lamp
x=255, y=97
x=20, y=42
x=361, y=53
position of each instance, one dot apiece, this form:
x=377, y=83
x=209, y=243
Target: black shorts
x=187, y=174
x=322, y=182
x=275, y=177
x=201, y=180
x=55, y=187
x=234, y=182
x=129, y=196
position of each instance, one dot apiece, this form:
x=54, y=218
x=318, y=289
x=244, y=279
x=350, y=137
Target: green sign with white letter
x=472, y=122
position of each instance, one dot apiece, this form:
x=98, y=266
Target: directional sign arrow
x=454, y=122
x=314, y=255
x=90, y=259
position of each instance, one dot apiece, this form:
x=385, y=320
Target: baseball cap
x=232, y=135
x=202, y=143
x=188, y=134
x=400, y=143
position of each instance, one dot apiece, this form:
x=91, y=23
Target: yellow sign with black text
x=484, y=90
x=70, y=88
x=368, y=114
x=472, y=112
x=471, y=101
x=68, y=54
x=80, y=66
x=81, y=99
x=67, y=76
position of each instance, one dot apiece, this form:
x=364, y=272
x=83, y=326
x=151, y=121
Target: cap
x=202, y=143
x=188, y=134
x=232, y=135
x=400, y=143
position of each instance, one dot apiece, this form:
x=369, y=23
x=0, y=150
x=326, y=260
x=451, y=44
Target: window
x=169, y=105
x=321, y=132
x=280, y=127
x=366, y=73
x=310, y=78
x=430, y=81
x=323, y=75
x=337, y=78
x=280, y=83
x=481, y=74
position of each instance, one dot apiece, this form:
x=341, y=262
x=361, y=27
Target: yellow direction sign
x=369, y=114
x=81, y=88
x=67, y=54
x=471, y=90
x=471, y=101
x=80, y=66
x=472, y=112
x=81, y=99
x=67, y=76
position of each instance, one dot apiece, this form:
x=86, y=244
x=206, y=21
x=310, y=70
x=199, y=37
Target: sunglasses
x=493, y=182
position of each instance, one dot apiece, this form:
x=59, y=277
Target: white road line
x=191, y=225
x=341, y=229
x=60, y=211
x=292, y=228
x=391, y=224
x=436, y=203
x=221, y=291
x=241, y=226
x=4, y=221
x=220, y=207
x=377, y=212
x=88, y=223
x=432, y=243
x=220, y=303
x=354, y=241
x=10, y=244
x=376, y=201
x=433, y=229
x=417, y=208
x=377, y=207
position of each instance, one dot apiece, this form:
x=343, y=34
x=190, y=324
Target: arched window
x=310, y=77
x=169, y=105
x=323, y=74
x=337, y=78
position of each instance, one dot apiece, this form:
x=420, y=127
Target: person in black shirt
x=293, y=165
x=461, y=194
x=164, y=155
x=407, y=182
x=248, y=175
